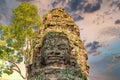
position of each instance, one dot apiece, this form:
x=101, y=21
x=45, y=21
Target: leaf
x=2, y=43
x=1, y=68
x=8, y=71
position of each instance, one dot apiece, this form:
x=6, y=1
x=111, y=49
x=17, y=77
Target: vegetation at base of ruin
x=16, y=40
x=65, y=74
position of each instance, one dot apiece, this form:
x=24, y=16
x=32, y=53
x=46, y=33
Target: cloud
x=77, y=17
x=100, y=1
x=2, y=2
x=96, y=53
x=116, y=4
x=113, y=31
x=6, y=7
x=76, y=5
x=116, y=57
x=76, y=8
x=3, y=12
x=92, y=8
x=111, y=66
x=83, y=5
x=56, y=2
x=92, y=48
x=71, y=5
x=117, y=21
x=104, y=69
x=94, y=45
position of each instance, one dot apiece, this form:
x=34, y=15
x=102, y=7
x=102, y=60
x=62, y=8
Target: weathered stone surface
x=60, y=53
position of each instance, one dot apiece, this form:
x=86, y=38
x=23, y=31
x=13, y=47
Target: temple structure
x=60, y=53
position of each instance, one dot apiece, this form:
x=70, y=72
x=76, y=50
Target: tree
x=16, y=40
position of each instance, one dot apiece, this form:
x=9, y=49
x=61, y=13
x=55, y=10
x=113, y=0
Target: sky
x=99, y=24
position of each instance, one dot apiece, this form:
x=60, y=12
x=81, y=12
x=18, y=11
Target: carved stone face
x=55, y=48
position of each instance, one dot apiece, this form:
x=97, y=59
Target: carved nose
x=55, y=53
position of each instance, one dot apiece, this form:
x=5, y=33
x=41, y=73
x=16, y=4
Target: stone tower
x=60, y=53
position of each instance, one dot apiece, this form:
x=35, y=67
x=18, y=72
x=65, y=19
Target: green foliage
x=8, y=71
x=7, y=43
x=16, y=40
x=1, y=71
x=71, y=74
x=2, y=43
x=25, y=20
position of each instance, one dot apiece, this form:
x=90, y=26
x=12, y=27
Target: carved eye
x=62, y=47
x=47, y=47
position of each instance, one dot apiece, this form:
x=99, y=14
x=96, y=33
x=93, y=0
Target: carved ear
x=29, y=68
x=70, y=49
x=39, y=47
x=43, y=60
x=67, y=59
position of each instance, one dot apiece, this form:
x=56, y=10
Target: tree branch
x=18, y=69
x=20, y=73
x=15, y=65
